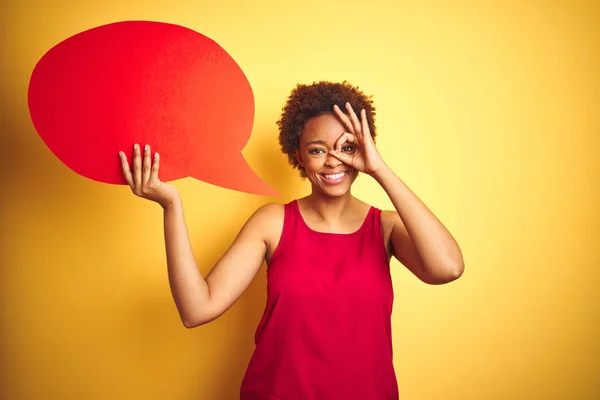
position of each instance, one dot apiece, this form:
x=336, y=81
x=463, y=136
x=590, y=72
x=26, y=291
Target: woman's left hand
x=365, y=157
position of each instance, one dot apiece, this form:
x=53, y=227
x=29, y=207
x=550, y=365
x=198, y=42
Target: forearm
x=439, y=252
x=188, y=287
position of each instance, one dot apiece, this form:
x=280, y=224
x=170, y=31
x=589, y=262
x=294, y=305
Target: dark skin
x=333, y=149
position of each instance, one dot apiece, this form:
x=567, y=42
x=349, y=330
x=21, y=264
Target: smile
x=334, y=178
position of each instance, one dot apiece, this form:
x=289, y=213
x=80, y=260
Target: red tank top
x=326, y=329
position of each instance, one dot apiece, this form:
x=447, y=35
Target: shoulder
x=389, y=217
x=269, y=212
x=268, y=219
x=390, y=220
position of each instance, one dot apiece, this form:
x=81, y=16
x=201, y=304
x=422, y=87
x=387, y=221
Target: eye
x=348, y=149
x=316, y=150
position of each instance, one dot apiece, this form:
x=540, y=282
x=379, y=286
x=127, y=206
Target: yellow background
x=489, y=111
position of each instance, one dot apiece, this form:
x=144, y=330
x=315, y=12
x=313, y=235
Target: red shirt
x=326, y=329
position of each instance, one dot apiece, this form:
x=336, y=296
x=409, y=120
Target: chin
x=337, y=192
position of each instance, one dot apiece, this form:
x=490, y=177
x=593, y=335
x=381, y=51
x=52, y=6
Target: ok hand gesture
x=365, y=158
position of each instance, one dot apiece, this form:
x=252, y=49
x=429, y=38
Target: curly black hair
x=308, y=101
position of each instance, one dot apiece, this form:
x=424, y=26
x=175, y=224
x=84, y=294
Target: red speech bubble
x=104, y=89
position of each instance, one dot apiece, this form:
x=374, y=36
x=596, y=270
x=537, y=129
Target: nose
x=332, y=162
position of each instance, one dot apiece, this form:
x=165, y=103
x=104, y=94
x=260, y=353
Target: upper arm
x=402, y=246
x=238, y=266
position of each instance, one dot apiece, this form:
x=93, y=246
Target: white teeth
x=335, y=176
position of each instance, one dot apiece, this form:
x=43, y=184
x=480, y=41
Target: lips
x=334, y=178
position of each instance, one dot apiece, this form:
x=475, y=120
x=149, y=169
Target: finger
x=365, y=123
x=354, y=118
x=344, y=118
x=345, y=138
x=137, y=168
x=146, y=165
x=155, y=166
x=125, y=169
x=345, y=158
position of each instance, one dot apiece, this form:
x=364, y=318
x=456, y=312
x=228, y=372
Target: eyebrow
x=316, y=142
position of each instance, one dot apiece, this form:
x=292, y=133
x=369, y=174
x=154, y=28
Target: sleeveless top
x=326, y=329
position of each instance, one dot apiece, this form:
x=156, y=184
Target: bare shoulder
x=263, y=221
x=389, y=218
x=270, y=213
x=269, y=219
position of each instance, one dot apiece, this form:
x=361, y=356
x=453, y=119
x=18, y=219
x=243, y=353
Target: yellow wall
x=488, y=110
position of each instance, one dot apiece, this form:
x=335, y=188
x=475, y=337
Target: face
x=326, y=173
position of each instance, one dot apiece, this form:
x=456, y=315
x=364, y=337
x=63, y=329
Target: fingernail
x=146, y=147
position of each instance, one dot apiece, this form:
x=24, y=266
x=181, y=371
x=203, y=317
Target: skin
x=331, y=143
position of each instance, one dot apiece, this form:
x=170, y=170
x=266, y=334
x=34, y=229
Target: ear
x=298, y=158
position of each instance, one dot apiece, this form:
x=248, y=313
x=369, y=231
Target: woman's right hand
x=144, y=181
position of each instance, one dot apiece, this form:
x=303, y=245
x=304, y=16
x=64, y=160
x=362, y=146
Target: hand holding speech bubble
x=104, y=89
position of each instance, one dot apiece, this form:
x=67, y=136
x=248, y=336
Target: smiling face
x=326, y=173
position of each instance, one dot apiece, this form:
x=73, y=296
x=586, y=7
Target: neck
x=330, y=208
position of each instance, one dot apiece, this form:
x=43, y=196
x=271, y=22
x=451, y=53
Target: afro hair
x=308, y=101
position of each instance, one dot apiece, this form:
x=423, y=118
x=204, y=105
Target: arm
x=188, y=288
x=420, y=241
x=199, y=300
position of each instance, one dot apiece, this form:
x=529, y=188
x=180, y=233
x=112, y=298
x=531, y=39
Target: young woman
x=326, y=328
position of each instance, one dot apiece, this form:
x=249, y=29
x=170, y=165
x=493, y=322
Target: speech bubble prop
x=106, y=88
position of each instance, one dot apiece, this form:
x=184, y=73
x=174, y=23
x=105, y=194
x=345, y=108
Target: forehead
x=326, y=127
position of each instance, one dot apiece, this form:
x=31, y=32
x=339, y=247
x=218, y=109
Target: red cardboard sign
x=104, y=89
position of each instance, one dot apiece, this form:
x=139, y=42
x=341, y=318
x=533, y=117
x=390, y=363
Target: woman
x=326, y=329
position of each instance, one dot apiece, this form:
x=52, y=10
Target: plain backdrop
x=488, y=110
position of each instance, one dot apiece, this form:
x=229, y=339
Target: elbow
x=448, y=274
x=456, y=272
x=192, y=323
x=197, y=320
x=193, y=316
x=452, y=270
